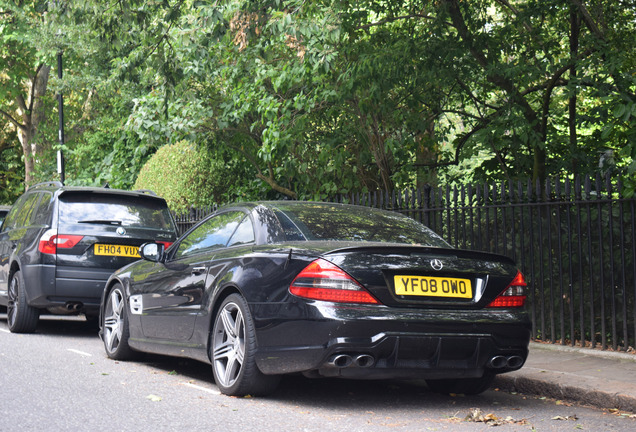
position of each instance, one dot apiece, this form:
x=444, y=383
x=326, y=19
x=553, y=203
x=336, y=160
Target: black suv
x=59, y=245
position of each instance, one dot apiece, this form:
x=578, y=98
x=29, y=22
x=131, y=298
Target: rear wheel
x=232, y=350
x=115, y=326
x=21, y=318
x=466, y=386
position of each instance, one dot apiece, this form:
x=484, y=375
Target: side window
x=42, y=211
x=244, y=234
x=23, y=216
x=9, y=221
x=212, y=234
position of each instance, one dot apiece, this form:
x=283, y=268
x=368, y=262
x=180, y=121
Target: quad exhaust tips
x=342, y=361
x=509, y=362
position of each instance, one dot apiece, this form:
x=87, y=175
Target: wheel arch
x=110, y=283
x=15, y=267
x=215, y=305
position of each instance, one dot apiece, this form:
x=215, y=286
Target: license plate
x=117, y=250
x=432, y=286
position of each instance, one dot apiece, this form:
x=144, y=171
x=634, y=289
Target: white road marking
x=5, y=330
x=80, y=352
x=207, y=390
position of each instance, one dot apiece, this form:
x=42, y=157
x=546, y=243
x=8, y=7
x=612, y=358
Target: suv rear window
x=114, y=210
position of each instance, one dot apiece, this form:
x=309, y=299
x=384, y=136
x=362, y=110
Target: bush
x=182, y=174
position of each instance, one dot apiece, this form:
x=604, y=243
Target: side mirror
x=152, y=251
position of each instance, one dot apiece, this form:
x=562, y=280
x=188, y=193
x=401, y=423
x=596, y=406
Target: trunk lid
x=412, y=276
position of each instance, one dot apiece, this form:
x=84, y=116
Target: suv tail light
x=513, y=296
x=322, y=280
x=166, y=244
x=50, y=242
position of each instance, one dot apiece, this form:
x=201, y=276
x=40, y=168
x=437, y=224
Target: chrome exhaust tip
x=364, y=361
x=498, y=362
x=514, y=362
x=340, y=361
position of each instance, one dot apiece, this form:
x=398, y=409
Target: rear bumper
x=381, y=342
x=50, y=287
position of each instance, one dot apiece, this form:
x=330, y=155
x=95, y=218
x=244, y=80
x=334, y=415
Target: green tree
x=24, y=78
x=309, y=99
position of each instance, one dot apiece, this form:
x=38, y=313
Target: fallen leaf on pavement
x=572, y=417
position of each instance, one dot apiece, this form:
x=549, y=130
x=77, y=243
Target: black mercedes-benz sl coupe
x=263, y=289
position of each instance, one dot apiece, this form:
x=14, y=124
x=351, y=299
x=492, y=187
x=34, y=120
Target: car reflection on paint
x=3, y=212
x=264, y=289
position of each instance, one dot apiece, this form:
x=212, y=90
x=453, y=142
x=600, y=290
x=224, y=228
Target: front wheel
x=21, y=318
x=466, y=386
x=115, y=326
x=232, y=351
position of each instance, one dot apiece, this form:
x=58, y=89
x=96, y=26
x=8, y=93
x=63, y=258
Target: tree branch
x=393, y=19
x=11, y=119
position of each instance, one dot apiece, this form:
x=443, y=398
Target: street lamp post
x=60, y=154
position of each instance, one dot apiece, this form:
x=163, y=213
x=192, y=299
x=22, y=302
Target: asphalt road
x=59, y=379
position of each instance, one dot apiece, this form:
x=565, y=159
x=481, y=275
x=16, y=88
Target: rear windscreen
x=351, y=223
x=120, y=210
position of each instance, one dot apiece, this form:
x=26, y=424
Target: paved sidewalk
x=599, y=378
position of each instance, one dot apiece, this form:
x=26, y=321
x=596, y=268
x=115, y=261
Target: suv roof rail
x=49, y=183
x=146, y=191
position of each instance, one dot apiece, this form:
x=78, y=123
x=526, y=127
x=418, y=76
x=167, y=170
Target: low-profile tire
x=21, y=318
x=115, y=326
x=466, y=386
x=232, y=352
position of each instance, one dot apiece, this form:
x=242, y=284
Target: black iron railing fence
x=573, y=240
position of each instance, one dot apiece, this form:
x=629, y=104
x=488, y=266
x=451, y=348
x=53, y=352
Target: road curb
x=537, y=387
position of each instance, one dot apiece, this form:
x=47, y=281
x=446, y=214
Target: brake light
x=166, y=244
x=50, y=242
x=322, y=280
x=514, y=296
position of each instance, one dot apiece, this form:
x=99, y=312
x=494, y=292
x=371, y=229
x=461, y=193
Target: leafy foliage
x=311, y=99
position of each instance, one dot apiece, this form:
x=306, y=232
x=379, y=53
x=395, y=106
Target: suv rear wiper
x=100, y=221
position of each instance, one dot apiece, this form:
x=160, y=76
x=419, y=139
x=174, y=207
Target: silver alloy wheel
x=113, y=320
x=228, y=345
x=13, y=301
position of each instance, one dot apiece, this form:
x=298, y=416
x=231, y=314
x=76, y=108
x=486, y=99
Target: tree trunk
x=426, y=155
x=32, y=115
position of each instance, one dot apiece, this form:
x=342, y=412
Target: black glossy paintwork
x=299, y=335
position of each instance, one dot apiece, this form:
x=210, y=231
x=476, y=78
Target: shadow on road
x=334, y=393
x=61, y=325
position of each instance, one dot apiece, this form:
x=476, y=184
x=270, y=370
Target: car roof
x=291, y=203
x=60, y=189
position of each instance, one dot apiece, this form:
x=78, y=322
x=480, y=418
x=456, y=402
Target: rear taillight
x=514, y=296
x=322, y=280
x=50, y=242
x=166, y=244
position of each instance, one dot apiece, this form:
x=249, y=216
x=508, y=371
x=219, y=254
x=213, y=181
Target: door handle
x=198, y=270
